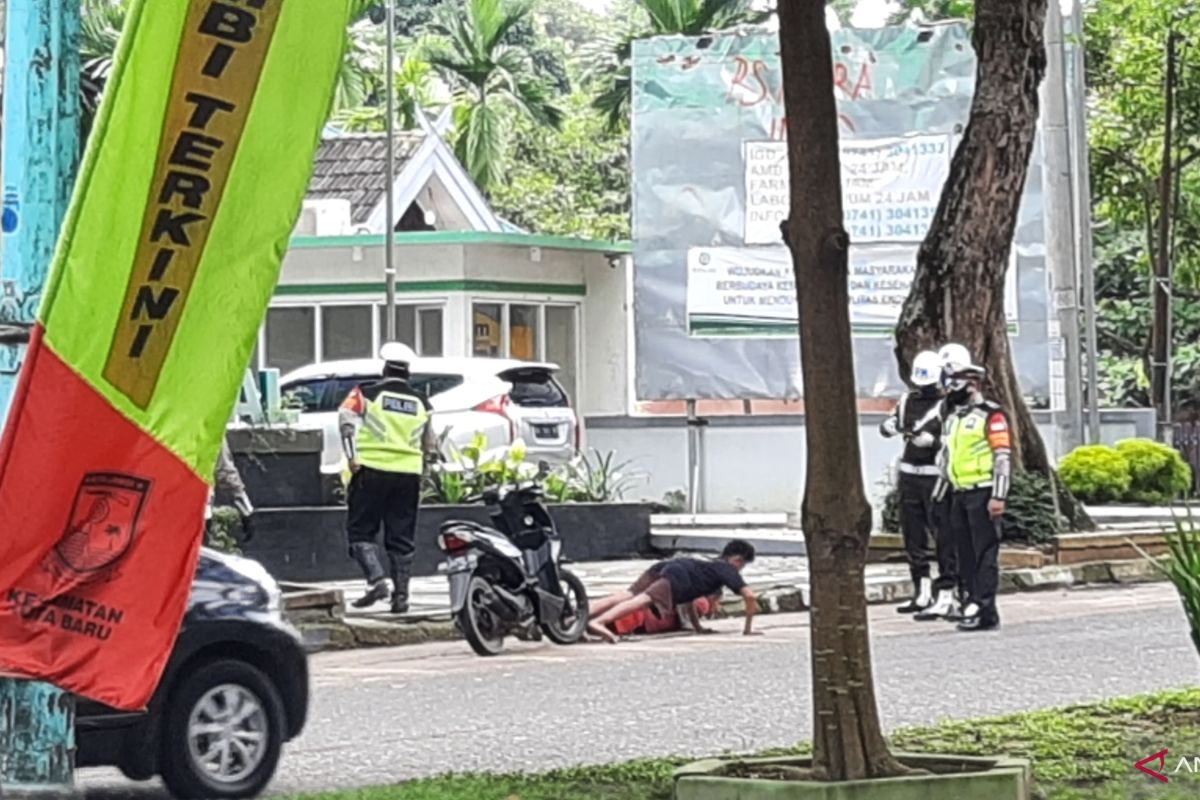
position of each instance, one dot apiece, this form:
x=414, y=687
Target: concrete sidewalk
x=429, y=597
x=325, y=615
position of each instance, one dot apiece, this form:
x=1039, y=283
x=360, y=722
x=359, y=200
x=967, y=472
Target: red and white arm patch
x=998, y=432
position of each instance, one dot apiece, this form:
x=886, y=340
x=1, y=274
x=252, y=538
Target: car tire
x=228, y=708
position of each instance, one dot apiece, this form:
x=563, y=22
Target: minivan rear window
x=536, y=389
x=431, y=385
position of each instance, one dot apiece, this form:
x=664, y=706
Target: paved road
x=383, y=716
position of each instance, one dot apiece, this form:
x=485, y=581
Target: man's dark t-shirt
x=693, y=578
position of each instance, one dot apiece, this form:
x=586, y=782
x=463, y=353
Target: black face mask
x=959, y=396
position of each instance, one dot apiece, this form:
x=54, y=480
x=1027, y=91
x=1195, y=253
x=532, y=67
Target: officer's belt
x=930, y=470
x=973, y=487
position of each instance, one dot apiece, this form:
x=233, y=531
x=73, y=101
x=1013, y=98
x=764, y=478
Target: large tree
x=569, y=182
x=848, y=742
x=492, y=81
x=958, y=290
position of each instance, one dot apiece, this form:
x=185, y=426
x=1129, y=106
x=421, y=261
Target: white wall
x=758, y=464
x=607, y=337
x=353, y=264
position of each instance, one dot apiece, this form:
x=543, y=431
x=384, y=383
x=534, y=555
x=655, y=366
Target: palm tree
x=415, y=89
x=610, y=66
x=490, y=80
x=102, y=21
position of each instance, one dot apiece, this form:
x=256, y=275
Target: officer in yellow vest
x=977, y=462
x=386, y=437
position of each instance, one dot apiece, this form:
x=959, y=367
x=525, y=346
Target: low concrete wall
x=309, y=544
x=757, y=463
x=281, y=467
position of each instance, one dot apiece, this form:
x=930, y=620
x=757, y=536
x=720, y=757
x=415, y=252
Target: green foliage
x=933, y=10
x=492, y=81
x=218, y=533
x=572, y=182
x=1182, y=566
x=1030, y=514
x=1029, y=517
x=1159, y=472
x=588, y=478
x=1126, y=41
x=1096, y=474
x=1080, y=752
x=102, y=21
x=890, y=515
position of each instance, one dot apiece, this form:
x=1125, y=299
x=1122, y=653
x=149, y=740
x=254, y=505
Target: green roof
x=432, y=238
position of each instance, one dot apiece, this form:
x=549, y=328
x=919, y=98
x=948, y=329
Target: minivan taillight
x=453, y=542
x=499, y=405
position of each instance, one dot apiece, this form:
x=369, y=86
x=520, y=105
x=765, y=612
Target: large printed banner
x=191, y=185
x=752, y=292
x=890, y=187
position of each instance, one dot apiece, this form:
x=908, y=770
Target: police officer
x=918, y=473
x=949, y=587
x=386, y=437
x=228, y=479
x=977, y=459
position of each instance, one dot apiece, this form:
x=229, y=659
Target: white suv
x=505, y=400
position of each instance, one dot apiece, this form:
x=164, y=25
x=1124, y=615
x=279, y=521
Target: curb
x=325, y=629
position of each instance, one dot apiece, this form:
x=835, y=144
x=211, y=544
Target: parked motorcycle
x=508, y=579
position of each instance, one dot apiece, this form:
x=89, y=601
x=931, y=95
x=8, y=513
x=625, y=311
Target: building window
x=561, y=346
x=488, y=331
x=291, y=341
x=523, y=339
x=430, y=338
x=346, y=332
x=529, y=332
x=418, y=327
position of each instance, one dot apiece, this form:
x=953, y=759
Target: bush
x=891, y=511
x=1096, y=474
x=1159, y=473
x=1030, y=515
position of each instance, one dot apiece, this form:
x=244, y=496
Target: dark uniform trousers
x=390, y=499
x=978, y=537
x=949, y=575
x=917, y=520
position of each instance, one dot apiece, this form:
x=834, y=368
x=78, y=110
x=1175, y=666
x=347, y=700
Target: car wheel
x=224, y=724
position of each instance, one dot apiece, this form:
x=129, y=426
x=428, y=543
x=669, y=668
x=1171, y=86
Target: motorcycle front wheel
x=569, y=628
x=482, y=629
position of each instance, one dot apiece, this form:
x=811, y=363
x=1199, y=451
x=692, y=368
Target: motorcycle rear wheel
x=481, y=628
x=573, y=623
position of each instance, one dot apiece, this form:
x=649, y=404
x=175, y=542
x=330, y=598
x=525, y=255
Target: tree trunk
x=848, y=743
x=958, y=290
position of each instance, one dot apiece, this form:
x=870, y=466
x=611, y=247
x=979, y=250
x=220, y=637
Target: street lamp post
x=389, y=250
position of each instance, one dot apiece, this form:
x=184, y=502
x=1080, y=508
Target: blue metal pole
x=40, y=159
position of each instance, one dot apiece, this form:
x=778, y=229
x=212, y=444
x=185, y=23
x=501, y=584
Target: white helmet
x=956, y=360
x=926, y=368
x=397, y=353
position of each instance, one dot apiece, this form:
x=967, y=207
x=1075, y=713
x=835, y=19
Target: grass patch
x=1082, y=752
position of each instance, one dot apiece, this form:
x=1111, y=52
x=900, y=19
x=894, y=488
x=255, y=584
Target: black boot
x=367, y=556
x=401, y=573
